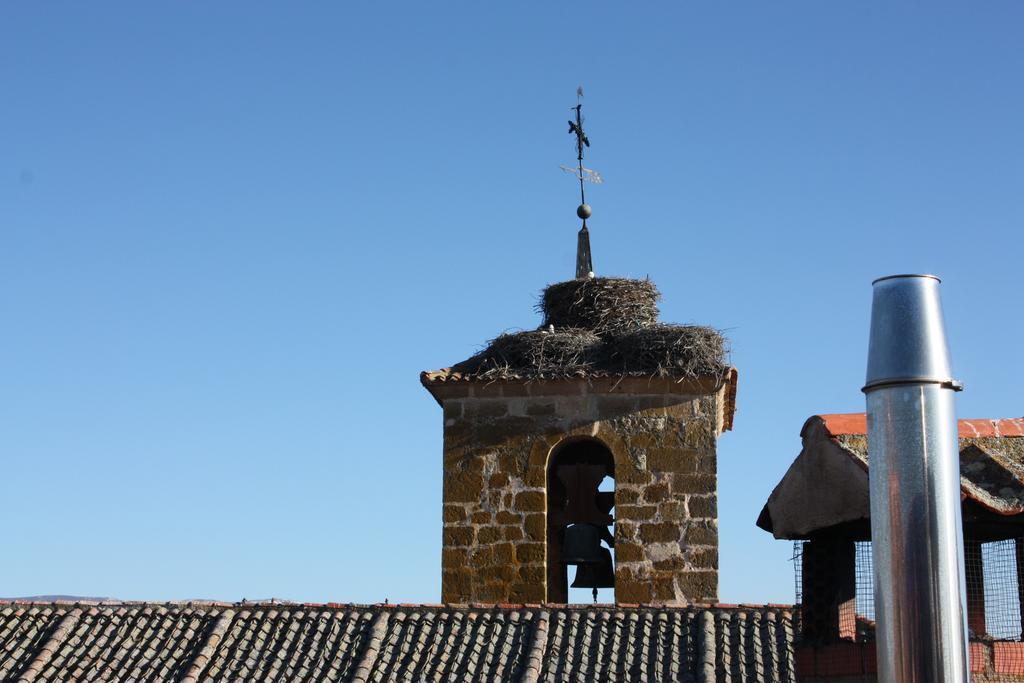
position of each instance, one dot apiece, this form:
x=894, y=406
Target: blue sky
x=232, y=234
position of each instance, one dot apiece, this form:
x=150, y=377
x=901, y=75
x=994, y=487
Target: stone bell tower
x=533, y=424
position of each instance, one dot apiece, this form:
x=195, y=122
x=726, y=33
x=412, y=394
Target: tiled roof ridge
x=709, y=649
x=538, y=645
x=51, y=645
x=847, y=424
x=369, y=657
x=202, y=658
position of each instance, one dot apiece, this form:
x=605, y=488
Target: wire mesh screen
x=1001, y=589
x=993, y=590
x=865, y=573
x=834, y=586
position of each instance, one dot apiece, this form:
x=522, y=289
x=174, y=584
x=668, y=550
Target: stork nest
x=603, y=304
x=672, y=351
x=601, y=327
x=535, y=354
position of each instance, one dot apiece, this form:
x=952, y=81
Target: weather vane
x=584, y=265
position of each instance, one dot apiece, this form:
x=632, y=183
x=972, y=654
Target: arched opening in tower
x=581, y=538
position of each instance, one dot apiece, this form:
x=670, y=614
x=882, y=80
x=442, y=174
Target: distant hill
x=58, y=598
x=81, y=598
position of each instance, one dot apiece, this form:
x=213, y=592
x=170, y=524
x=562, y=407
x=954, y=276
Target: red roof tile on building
x=846, y=424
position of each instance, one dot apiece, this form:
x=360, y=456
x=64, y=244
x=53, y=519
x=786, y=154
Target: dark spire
x=584, y=265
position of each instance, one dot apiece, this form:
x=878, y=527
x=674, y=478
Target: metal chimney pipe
x=916, y=531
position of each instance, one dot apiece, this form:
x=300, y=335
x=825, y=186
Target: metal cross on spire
x=584, y=265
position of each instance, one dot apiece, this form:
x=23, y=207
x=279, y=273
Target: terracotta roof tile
x=848, y=423
x=1004, y=427
x=842, y=424
x=24, y=629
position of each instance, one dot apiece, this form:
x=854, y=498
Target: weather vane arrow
x=584, y=264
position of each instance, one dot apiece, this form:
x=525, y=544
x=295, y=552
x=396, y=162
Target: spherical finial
x=584, y=211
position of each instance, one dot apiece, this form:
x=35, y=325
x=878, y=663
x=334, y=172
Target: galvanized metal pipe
x=916, y=530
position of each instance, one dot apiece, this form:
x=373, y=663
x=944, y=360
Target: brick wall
x=852, y=662
x=497, y=442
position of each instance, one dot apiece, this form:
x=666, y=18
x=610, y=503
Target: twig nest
x=671, y=351
x=561, y=352
x=600, y=327
x=601, y=304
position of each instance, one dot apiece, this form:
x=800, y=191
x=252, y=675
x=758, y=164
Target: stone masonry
x=498, y=438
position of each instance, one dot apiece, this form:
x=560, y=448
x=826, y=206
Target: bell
x=583, y=500
x=596, y=575
x=582, y=545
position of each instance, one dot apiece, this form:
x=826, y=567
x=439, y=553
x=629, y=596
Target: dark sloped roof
x=219, y=642
x=991, y=457
x=820, y=489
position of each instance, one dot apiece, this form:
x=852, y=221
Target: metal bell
x=583, y=545
x=584, y=503
x=596, y=575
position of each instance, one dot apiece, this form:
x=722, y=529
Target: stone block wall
x=497, y=442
